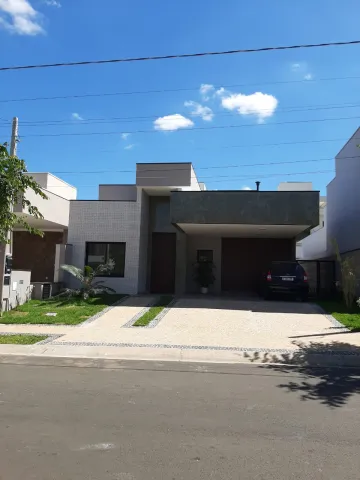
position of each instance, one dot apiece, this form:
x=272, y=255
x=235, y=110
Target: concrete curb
x=103, y=358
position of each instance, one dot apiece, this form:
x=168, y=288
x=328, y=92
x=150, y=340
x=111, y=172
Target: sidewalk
x=231, y=332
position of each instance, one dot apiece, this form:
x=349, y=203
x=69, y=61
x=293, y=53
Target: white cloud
x=169, y=123
x=205, y=90
x=52, y=3
x=199, y=110
x=302, y=68
x=308, y=76
x=261, y=105
x=124, y=136
x=295, y=67
x=221, y=92
x=19, y=17
x=245, y=187
x=129, y=147
x=76, y=116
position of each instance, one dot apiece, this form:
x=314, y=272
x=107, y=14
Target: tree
x=13, y=186
x=89, y=287
x=348, y=283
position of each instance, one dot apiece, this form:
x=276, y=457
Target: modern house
x=43, y=255
x=342, y=210
x=156, y=229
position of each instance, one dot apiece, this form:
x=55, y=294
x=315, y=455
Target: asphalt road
x=239, y=422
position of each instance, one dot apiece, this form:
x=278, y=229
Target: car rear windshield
x=284, y=268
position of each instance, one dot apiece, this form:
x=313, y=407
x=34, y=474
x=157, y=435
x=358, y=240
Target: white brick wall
x=107, y=221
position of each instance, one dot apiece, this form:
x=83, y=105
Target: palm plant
x=89, y=286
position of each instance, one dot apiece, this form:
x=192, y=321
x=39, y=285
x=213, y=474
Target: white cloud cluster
x=19, y=17
x=205, y=90
x=170, y=123
x=199, y=110
x=245, y=187
x=261, y=105
x=130, y=146
x=124, y=136
x=76, y=116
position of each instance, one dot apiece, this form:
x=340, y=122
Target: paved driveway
x=211, y=322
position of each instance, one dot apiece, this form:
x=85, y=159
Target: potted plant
x=204, y=275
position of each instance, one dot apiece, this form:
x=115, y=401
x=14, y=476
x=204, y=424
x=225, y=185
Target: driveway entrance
x=211, y=323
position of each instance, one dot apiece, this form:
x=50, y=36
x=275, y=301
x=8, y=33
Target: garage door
x=244, y=260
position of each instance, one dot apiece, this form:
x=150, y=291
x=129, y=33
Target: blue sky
x=266, y=98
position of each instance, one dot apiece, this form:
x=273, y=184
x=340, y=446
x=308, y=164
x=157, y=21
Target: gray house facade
x=158, y=228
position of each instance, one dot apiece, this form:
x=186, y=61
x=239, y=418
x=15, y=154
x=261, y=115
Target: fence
x=321, y=277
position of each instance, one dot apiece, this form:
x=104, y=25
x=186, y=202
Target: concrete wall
x=314, y=246
x=343, y=199
x=55, y=209
x=98, y=221
x=143, y=242
x=245, y=207
x=118, y=192
x=55, y=185
x=195, y=243
x=19, y=290
x=164, y=174
x=295, y=186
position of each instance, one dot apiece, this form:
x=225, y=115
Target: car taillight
x=305, y=277
x=268, y=276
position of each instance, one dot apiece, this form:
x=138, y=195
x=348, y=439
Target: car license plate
x=287, y=279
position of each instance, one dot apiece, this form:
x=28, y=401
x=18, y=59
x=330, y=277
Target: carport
x=240, y=231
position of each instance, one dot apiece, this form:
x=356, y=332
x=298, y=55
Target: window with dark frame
x=204, y=256
x=100, y=253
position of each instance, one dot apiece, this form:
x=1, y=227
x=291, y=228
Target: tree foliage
x=89, y=287
x=13, y=186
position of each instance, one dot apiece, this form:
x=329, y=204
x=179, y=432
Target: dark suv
x=286, y=278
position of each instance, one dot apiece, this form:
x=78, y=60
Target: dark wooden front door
x=244, y=260
x=163, y=261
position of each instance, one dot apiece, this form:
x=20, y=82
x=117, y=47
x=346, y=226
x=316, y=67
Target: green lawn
x=21, y=339
x=69, y=311
x=154, y=311
x=339, y=311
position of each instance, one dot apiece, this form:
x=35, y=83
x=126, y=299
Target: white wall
x=53, y=184
x=295, y=186
x=55, y=209
x=111, y=221
x=343, y=198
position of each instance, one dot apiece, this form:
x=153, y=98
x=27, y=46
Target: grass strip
x=69, y=311
x=21, y=339
x=154, y=311
x=338, y=310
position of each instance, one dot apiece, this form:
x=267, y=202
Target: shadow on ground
x=331, y=386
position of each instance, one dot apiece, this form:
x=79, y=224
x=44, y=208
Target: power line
x=181, y=55
x=218, y=127
x=104, y=120
x=185, y=168
x=173, y=90
x=232, y=178
x=197, y=168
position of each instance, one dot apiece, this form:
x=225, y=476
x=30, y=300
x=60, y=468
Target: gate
x=321, y=277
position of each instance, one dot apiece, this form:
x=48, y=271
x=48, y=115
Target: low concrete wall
x=19, y=290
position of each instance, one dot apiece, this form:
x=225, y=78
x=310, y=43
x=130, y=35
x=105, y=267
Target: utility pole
x=6, y=248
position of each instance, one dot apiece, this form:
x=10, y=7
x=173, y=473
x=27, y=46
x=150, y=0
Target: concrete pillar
x=181, y=260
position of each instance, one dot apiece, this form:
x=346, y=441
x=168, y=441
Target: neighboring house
x=42, y=255
x=342, y=209
x=156, y=229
